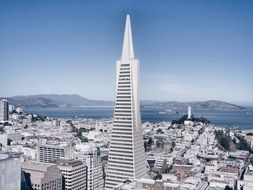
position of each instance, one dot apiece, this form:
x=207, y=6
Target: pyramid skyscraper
x=126, y=157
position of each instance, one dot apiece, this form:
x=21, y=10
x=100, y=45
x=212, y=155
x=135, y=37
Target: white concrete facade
x=189, y=115
x=90, y=155
x=50, y=151
x=74, y=173
x=126, y=157
x=10, y=172
x=247, y=182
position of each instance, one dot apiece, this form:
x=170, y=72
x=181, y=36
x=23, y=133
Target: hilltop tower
x=189, y=115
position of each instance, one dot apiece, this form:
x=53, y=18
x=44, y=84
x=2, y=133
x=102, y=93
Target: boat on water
x=169, y=112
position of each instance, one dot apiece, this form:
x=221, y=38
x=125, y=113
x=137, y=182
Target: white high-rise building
x=90, y=155
x=4, y=110
x=126, y=157
x=74, y=173
x=10, y=172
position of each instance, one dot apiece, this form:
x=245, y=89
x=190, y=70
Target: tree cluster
x=193, y=119
x=158, y=176
x=147, y=144
x=226, y=142
x=78, y=133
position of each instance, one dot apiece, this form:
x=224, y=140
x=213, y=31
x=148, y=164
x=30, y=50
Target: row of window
x=128, y=122
x=124, y=89
x=122, y=148
x=123, y=125
x=123, y=111
x=124, y=86
x=119, y=151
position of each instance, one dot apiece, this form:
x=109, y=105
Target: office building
x=90, y=155
x=74, y=174
x=49, y=151
x=4, y=111
x=126, y=156
x=10, y=172
x=43, y=176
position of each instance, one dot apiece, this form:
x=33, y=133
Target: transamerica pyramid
x=126, y=157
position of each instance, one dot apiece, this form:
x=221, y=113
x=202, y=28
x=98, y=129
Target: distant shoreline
x=236, y=118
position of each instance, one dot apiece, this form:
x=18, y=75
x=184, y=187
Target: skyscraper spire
x=126, y=160
x=127, y=50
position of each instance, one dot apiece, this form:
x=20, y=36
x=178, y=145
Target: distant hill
x=204, y=105
x=73, y=100
x=54, y=101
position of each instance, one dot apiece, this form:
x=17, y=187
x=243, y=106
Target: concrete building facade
x=126, y=156
x=50, y=151
x=90, y=155
x=74, y=173
x=10, y=172
x=43, y=176
x=4, y=111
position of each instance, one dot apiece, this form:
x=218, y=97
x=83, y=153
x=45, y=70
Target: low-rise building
x=147, y=184
x=193, y=183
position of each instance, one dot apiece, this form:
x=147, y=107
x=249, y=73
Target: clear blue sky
x=189, y=50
